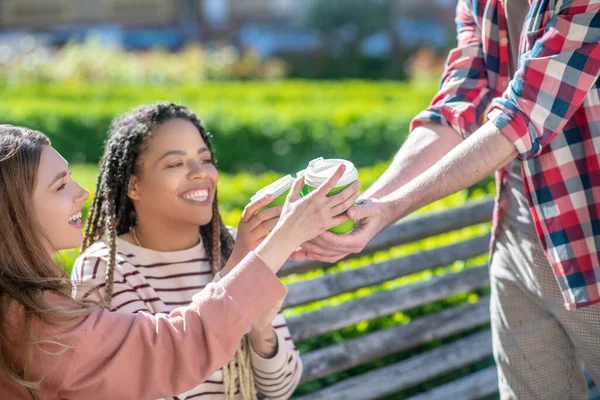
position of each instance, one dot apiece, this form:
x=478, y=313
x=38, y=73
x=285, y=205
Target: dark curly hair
x=112, y=212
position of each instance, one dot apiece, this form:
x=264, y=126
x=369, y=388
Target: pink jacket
x=140, y=356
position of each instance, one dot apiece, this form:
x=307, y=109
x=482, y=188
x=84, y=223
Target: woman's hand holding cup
x=303, y=218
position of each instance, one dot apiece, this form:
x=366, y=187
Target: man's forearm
x=424, y=146
x=475, y=158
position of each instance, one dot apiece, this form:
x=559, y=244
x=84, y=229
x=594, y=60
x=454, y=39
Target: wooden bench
x=419, y=368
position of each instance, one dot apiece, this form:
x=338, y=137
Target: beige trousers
x=538, y=345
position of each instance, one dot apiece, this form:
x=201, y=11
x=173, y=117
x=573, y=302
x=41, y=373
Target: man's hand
x=425, y=146
x=371, y=216
x=484, y=152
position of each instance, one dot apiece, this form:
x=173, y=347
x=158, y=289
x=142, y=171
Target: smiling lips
x=199, y=196
x=75, y=219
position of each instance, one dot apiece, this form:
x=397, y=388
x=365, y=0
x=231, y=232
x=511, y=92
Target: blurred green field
x=264, y=126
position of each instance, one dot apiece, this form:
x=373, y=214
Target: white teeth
x=75, y=217
x=198, y=195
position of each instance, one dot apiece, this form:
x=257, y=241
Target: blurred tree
x=354, y=18
x=344, y=24
x=189, y=19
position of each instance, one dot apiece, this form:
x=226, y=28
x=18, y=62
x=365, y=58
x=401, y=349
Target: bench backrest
x=432, y=327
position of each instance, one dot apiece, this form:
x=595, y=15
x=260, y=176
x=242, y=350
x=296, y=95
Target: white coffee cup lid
x=320, y=169
x=276, y=188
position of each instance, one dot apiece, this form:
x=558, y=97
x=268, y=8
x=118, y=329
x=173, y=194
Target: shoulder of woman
x=93, y=260
x=97, y=249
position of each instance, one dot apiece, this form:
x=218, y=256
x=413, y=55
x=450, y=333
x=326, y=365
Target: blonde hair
x=27, y=271
x=112, y=213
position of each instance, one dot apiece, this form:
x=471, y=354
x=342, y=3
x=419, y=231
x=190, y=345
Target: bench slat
x=478, y=385
x=346, y=281
x=391, y=379
x=475, y=386
x=411, y=229
x=351, y=353
x=386, y=302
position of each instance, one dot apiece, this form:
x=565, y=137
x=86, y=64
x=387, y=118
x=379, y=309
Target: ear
x=133, y=189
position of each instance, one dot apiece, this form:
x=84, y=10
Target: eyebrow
x=182, y=153
x=58, y=177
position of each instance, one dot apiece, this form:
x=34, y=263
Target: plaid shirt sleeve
x=560, y=65
x=464, y=94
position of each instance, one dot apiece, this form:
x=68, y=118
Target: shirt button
x=504, y=41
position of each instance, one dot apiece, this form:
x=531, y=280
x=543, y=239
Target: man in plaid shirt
x=542, y=138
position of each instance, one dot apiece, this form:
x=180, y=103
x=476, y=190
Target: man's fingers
x=348, y=243
x=329, y=260
x=361, y=211
x=328, y=240
x=316, y=249
x=299, y=255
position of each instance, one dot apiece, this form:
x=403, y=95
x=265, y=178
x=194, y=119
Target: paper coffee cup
x=279, y=189
x=319, y=170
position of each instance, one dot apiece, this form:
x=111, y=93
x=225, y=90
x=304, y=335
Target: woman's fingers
x=264, y=215
x=330, y=183
x=254, y=206
x=263, y=229
x=346, y=204
x=296, y=189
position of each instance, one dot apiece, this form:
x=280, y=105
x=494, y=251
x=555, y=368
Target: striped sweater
x=158, y=282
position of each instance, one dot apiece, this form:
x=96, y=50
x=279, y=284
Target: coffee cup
x=278, y=189
x=319, y=170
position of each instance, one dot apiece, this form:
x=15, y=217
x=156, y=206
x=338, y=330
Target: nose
x=197, y=170
x=82, y=194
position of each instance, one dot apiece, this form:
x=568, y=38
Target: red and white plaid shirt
x=550, y=111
